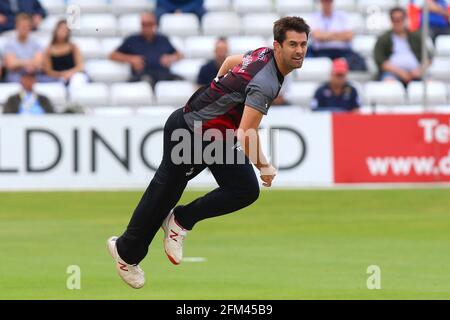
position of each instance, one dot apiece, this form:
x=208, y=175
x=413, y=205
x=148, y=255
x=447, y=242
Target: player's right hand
x=268, y=173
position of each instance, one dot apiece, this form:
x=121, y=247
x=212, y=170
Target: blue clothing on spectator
x=324, y=99
x=10, y=8
x=186, y=6
x=207, y=73
x=30, y=105
x=151, y=50
x=436, y=20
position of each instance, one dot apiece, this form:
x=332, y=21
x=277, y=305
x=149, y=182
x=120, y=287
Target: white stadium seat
x=439, y=69
x=384, y=93
x=97, y=25
x=54, y=6
x=436, y=92
x=259, y=23
x=188, y=68
x=107, y=71
x=112, y=111
x=90, y=47
x=182, y=24
x=49, y=23
x=178, y=43
x=364, y=44
x=285, y=7
x=345, y=5
x=131, y=6
x=443, y=45
x=173, y=93
x=7, y=90
x=314, y=69
x=108, y=45
x=357, y=22
x=247, y=6
x=129, y=24
x=221, y=24
x=301, y=93
x=91, y=95
x=55, y=91
x=241, y=45
x=91, y=6
x=366, y=6
x=441, y=109
x=217, y=5
x=131, y=94
x=154, y=110
x=200, y=46
x=378, y=23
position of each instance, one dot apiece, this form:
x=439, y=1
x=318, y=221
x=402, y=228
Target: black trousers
x=238, y=188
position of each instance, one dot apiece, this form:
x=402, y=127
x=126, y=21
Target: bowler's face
x=294, y=49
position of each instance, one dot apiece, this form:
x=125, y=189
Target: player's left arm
x=248, y=136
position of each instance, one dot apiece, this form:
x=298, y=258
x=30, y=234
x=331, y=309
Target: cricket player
x=235, y=101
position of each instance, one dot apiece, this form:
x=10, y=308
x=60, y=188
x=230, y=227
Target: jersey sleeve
x=257, y=99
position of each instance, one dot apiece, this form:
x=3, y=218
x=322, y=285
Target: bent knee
x=249, y=194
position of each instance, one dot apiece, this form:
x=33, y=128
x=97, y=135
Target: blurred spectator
x=209, y=71
x=398, y=52
x=63, y=60
x=9, y=9
x=439, y=18
x=337, y=94
x=26, y=101
x=180, y=6
x=332, y=36
x=149, y=53
x=21, y=52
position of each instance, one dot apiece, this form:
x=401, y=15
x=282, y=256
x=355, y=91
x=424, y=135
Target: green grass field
x=289, y=245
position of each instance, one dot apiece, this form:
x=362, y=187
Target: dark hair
x=55, y=31
x=285, y=24
x=397, y=9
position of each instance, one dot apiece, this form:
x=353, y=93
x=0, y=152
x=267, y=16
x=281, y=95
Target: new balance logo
x=122, y=266
x=173, y=235
x=190, y=172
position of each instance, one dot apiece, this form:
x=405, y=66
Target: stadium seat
x=131, y=94
x=107, y=71
x=221, y=24
x=314, y=69
x=384, y=93
x=443, y=45
x=131, y=6
x=129, y=23
x=91, y=95
x=54, y=6
x=357, y=22
x=441, y=109
x=285, y=7
x=182, y=24
x=259, y=23
x=97, y=25
x=345, y=5
x=43, y=39
x=250, y=6
x=177, y=42
x=436, y=92
x=90, y=47
x=241, y=45
x=378, y=23
x=364, y=44
x=49, y=23
x=301, y=92
x=173, y=93
x=108, y=45
x=156, y=111
x=217, y=5
x=188, y=68
x=91, y=6
x=7, y=90
x=112, y=111
x=199, y=47
x=368, y=6
x=55, y=91
x=439, y=69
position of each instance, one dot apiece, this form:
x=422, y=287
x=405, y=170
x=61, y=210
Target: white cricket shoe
x=131, y=274
x=173, y=239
